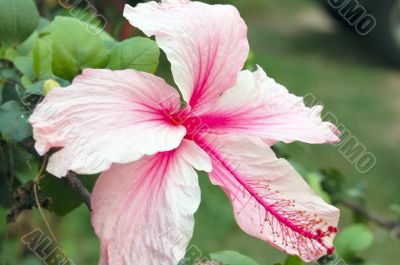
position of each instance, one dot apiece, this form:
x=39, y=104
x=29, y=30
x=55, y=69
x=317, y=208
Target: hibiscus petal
x=259, y=106
x=143, y=211
x=206, y=44
x=271, y=200
x=103, y=117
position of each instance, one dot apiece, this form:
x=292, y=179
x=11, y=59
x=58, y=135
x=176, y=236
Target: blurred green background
x=302, y=47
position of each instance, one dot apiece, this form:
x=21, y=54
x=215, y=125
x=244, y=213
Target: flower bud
x=49, y=85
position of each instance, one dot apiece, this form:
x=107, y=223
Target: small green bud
x=49, y=85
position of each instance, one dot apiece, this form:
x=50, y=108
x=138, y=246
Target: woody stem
x=76, y=185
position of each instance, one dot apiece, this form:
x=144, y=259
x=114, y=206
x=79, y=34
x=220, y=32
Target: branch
x=392, y=225
x=75, y=183
x=71, y=179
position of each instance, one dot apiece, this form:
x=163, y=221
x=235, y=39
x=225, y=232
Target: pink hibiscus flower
x=131, y=126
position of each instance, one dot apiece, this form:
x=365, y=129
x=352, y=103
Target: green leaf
x=85, y=15
x=44, y=23
x=14, y=124
x=18, y=19
x=24, y=65
x=293, y=260
x=88, y=181
x=25, y=48
x=137, y=53
x=8, y=53
x=64, y=199
x=352, y=240
x=332, y=183
x=229, y=257
x=108, y=40
x=26, y=81
x=36, y=88
x=331, y=260
x=315, y=182
x=9, y=74
x=25, y=164
x=75, y=48
x=42, y=52
x=8, y=93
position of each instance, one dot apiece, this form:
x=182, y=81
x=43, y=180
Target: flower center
x=193, y=124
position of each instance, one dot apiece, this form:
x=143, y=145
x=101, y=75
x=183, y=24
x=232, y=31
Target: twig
x=75, y=183
x=35, y=192
x=392, y=225
x=71, y=179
